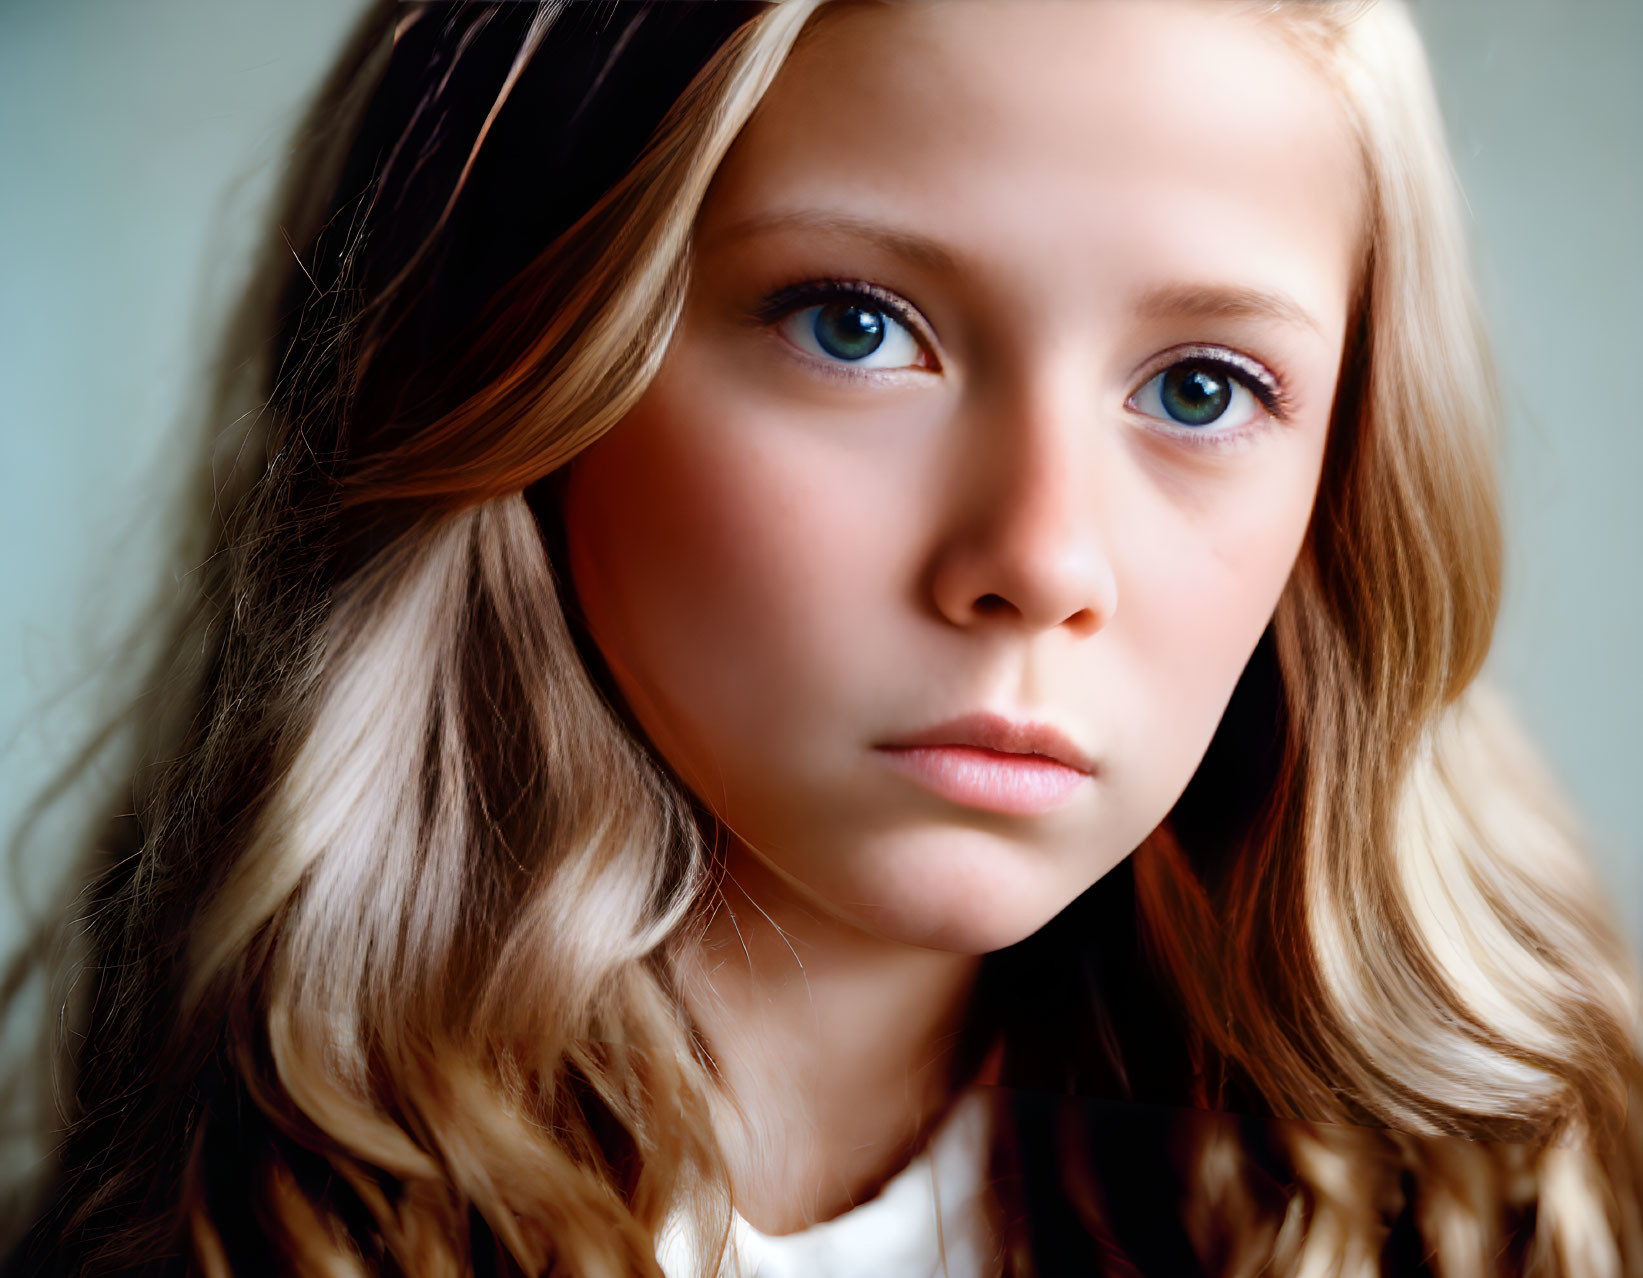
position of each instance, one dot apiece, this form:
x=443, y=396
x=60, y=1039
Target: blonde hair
x=1411, y=942
x=360, y=915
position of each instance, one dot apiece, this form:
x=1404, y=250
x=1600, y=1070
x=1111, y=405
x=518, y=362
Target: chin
x=976, y=935
x=985, y=898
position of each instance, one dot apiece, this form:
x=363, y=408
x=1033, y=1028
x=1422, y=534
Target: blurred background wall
x=139, y=142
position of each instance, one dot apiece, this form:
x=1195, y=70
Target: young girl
x=843, y=643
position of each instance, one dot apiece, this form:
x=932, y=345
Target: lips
x=995, y=764
x=985, y=731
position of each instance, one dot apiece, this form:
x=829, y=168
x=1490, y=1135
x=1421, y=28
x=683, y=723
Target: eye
x=850, y=324
x=852, y=331
x=1200, y=393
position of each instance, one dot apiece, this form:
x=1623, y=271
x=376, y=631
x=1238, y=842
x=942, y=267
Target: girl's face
x=999, y=399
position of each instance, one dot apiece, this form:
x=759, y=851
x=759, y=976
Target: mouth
x=995, y=764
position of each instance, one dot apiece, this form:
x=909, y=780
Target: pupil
x=1194, y=395
x=846, y=331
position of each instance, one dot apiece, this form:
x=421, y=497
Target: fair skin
x=1109, y=251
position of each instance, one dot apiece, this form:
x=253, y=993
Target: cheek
x=712, y=571
x=1201, y=590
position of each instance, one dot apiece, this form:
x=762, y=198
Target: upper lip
x=990, y=731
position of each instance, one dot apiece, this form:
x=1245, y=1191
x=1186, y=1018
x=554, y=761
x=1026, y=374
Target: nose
x=1028, y=548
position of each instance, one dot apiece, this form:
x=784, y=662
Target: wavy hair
x=1408, y=940
x=382, y=976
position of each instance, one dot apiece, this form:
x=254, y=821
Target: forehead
x=1064, y=141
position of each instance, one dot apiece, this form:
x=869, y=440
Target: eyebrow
x=1223, y=301
x=904, y=244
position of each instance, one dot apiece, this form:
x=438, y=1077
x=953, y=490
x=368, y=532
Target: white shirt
x=931, y=1220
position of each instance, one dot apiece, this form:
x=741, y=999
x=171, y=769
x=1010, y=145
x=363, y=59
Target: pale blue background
x=139, y=140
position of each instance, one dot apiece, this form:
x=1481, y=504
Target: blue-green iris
x=847, y=331
x=1194, y=394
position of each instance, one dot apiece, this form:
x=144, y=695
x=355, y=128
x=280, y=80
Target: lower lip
x=1015, y=784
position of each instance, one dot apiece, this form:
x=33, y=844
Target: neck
x=837, y=1050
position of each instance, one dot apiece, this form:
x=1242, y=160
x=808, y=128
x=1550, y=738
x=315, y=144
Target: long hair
x=381, y=977
x=1408, y=940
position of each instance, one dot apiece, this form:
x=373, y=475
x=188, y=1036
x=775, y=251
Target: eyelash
x=786, y=301
x=1255, y=377
x=1267, y=388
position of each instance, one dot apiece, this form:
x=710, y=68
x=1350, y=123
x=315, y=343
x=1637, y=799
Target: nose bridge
x=1035, y=550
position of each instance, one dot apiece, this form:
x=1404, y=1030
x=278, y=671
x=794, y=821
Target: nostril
x=989, y=604
x=1084, y=622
